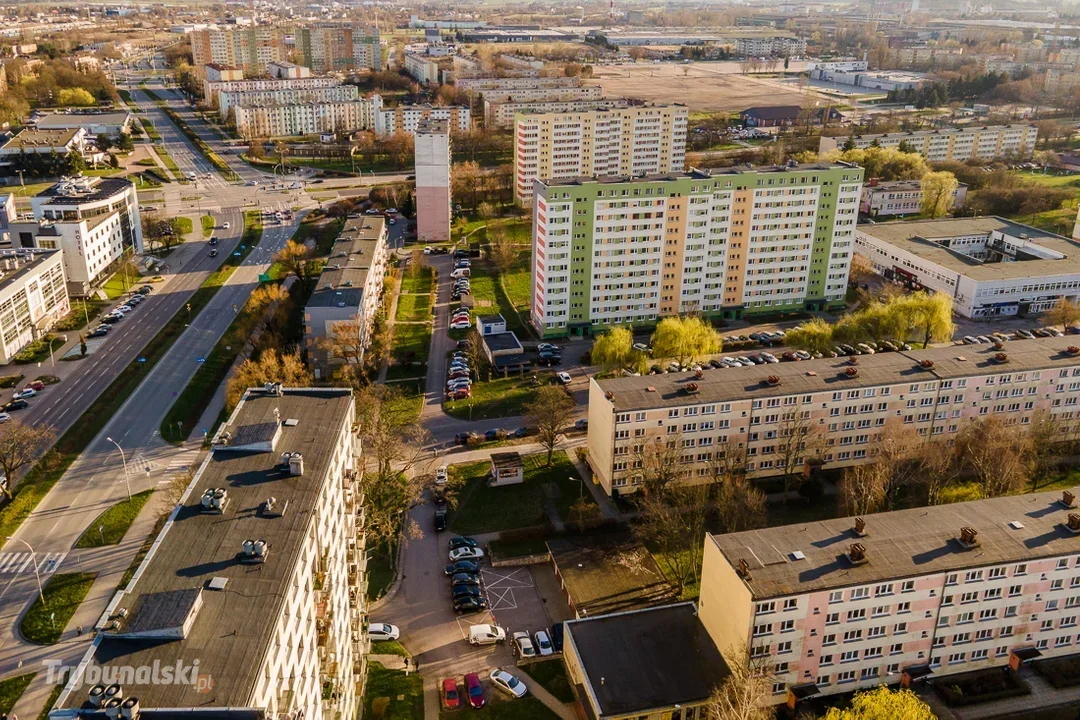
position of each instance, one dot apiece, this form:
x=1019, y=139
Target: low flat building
x=960, y=144
x=881, y=80
x=900, y=197
x=843, y=407
x=507, y=468
x=840, y=605
x=254, y=590
x=95, y=221
x=282, y=70
x=604, y=573
x=658, y=663
x=786, y=115
x=33, y=296
x=346, y=295
x=988, y=265
x=44, y=142
x=104, y=123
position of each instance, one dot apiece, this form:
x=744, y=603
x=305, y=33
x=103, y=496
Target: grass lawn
x=208, y=224
x=411, y=343
x=500, y=397
x=413, y=308
x=412, y=400
x=393, y=695
x=12, y=689
x=110, y=526
x=182, y=225
x=418, y=284
x=321, y=232
x=500, y=707
x=1051, y=180
x=118, y=284
x=388, y=647
x=381, y=572
x=563, y=475
x=81, y=312
x=38, y=350
x=63, y=595
x=551, y=674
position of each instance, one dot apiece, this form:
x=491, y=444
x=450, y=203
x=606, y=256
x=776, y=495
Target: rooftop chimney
x=969, y=537
x=744, y=570
x=860, y=527
x=857, y=554
x=1073, y=525
x=1068, y=499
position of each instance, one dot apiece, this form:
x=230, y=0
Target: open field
x=700, y=86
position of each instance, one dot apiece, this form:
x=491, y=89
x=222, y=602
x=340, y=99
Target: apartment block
x=505, y=84
x=497, y=114
x=213, y=88
x=250, y=48
x=33, y=296
x=900, y=197
x=840, y=407
x=723, y=242
x=504, y=114
x=287, y=71
x=338, y=47
x=760, y=45
x=427, y=69
x=407, y=118
x=960, y=144
x=627, y=141
x=348, y=290
x=433, y=180
x=305, y=118
x=990, y=266
x=285, y=96
x=95, y=221
x=841, y=605
x=257, y=579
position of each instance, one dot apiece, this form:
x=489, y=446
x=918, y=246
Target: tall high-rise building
x=332, y=47
x=253, y=594
x=627, y=141
x=433, y=180
x=725, y=242
x=250, y=48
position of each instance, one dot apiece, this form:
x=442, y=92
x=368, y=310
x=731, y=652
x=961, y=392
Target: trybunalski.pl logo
x=158, y=673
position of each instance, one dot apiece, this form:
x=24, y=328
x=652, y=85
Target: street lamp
x=581, y=484
x=123, y=459
x=33, y=559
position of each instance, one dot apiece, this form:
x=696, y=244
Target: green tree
x=75, y=97
x=103, y=142
x=929, y=314
x=882, y=703
x=613, y=349
x=849, y=144
x=684, y=338
x=938, y=193
x=814, y=335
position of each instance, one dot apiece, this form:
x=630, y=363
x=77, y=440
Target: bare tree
x=998, y=455
x=863, y=488
x=550, y=411
x=20, y=446
x=673, y=522
x=938, y=469
x=798, y=437
x=295, y=258
x=344, y=340
x=740, y=504
x=502, y=252
x=658, y=461
x=746, y=693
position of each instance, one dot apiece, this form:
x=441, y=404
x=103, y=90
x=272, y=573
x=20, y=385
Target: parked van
x=486, y=634
x=460, y=273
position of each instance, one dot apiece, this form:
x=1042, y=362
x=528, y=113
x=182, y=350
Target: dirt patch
x=702, y=87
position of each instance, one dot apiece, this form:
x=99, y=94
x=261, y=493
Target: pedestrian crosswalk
x=13, y=563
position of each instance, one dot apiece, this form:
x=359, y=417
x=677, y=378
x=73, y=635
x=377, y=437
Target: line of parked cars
x=459, y=377
x=19, y=399
x=538, y=644
x=550, y=355
x=120, y=312
x=474, y=689
x=466, y=590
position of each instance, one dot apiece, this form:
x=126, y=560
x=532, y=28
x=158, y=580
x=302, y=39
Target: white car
x=466, y=553
x=440, y=475
x=460, y=325
x=564, y=378
x=508, y=683
x=427, y=249
x=543, y=643
x=383, y=631
x=524, y=645
x=391, y=211
x=4, y=417
x=225, y=225
x=24, y=393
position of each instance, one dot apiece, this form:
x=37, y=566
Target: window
x=870, y=673
x=1014, y=590
x=852, y=636
x=880, y=610
x=973, y=576
x=829, y=639
x=766, y=607
x=907, y=586
x=836, y=596
x=787, y=626
x=979, y=654
x=791, y=604
x=846, y=676
x=779, y=687
x=896, y=649
x=1020, y=569
x=849, y=656
x=988, y=614
x=950, y=579
x=760, y=630
x=832, y=618
x=886, y=589
x=859, y=614
x=860, y=593
x=903, y=607
x=1062, y=564
x=784, y=647
x=957, y=658
x=900, y=628
x=996, y=573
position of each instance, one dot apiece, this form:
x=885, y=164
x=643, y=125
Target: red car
x=36, y=385
x=450, y=698
x=476, y=690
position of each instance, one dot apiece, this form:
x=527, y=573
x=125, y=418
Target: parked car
x=459, y=394
x=582, y=424
x=383, y=631
x=16, y=405
x=486, y=634
x=492, y=434
x=466, y=553
x=99, y=331
x=969, y=340
x=458, y=579
x=462, y=541
x=213, y=253
x=470, y=605
x=460, y=592
x=460, y=325
x=557, y=636
x=1025, y=334
x=475, y=690
x=35, y=385
x=440, y=520
x=564, y=378
x=4, y=417
x=523, y=645
x=508, y=683
x=543, y=643
x=440, y=475
x=24, y=393
x=461, y=566
x=546, y=346
x=450, y=699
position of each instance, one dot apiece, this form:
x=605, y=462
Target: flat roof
x=72, y=120
x=506, y=460
x=27, y=262
x=608, y=572
x=84, y=190
x=345, y=274
x=901, y=544
x=32, y=137
x=701, y=174
x=917, y=236
x=439, y=126
x=501, y=341
x=233, y=628
x=647, y=659
x=829, y=374
x=946, y=131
